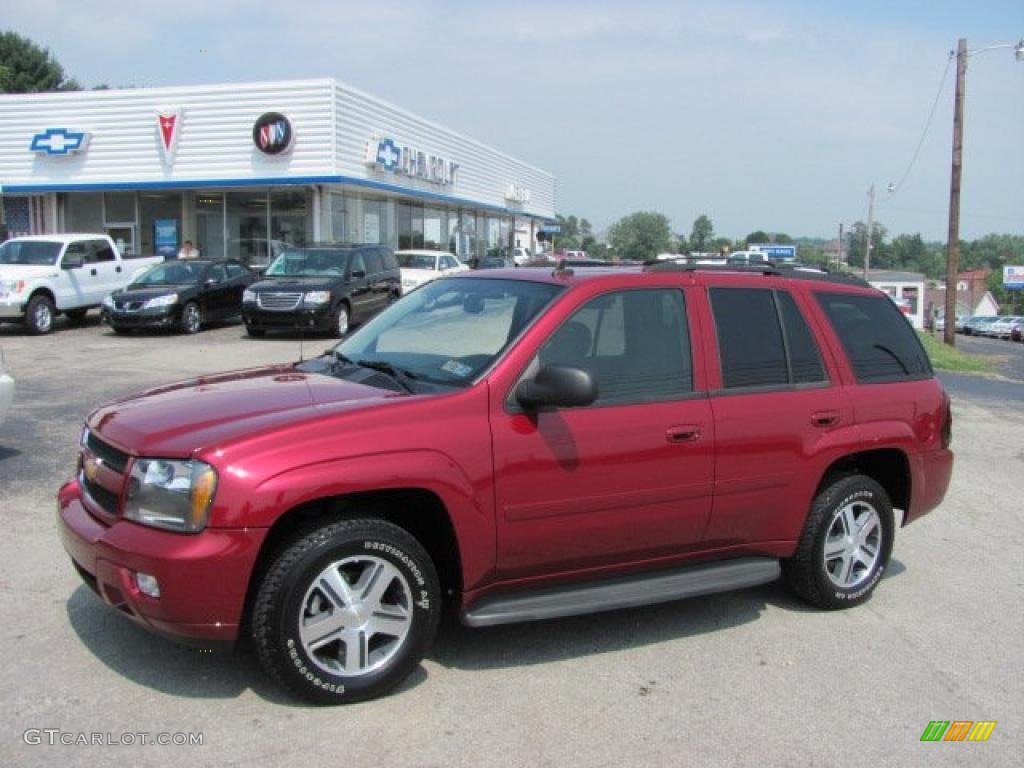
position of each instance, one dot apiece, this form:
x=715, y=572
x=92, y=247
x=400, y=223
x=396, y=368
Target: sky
x=774, y=116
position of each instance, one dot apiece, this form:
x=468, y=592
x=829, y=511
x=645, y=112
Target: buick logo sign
x=272, y=133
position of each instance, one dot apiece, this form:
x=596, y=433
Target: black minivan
x=322, y=287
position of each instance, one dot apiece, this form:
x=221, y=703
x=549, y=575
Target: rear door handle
x=683, y=434
x=92, y=272
x=118, y=269
x=825, y=418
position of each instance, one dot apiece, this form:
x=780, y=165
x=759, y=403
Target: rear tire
x=845, y=545
x=346, y=612
x=120, y=329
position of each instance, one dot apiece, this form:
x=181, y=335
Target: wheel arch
x=889, y=467
x=418, y=511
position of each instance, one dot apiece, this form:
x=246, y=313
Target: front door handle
x=825, y=418
x=92, y=272
x=688, y=433
x=117, y=269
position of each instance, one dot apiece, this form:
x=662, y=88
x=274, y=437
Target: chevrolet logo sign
x=60, y=141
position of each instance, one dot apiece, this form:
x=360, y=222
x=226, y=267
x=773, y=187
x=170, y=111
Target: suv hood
x=181, y=418
x=296, y=284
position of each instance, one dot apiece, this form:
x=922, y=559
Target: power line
x=894, y=188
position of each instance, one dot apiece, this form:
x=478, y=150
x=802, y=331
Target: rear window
x=879, y=341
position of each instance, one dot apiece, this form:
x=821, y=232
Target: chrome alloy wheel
x=853, y=544
x=191, y=320
x=355, y=616
x=342, y=321
x=42, y=317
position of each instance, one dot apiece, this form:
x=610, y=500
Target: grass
x=946, y=358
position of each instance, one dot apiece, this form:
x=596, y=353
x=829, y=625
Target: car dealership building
x=236, y=167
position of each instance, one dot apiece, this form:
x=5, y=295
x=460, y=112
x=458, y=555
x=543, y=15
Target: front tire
x=845, y=546
x=345, y=613
x=191, y=318
x=340, y=324
x=39, y=315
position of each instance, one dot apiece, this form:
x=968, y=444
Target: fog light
x=147, y=584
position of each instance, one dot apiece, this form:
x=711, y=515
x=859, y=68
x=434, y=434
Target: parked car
x=1002, y=327
x=182, y=295
x=973, y=326
x=419, y=267
x=497, y=262
x=522, y=445
x=256, y=252
x=43, y=275
x=6, y=390
x=1017, y=332
x=324, y=287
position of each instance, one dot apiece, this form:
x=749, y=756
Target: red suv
x=520, y=445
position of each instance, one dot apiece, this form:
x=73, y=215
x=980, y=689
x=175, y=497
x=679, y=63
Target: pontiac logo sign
x=168, y=122
x=272, y=133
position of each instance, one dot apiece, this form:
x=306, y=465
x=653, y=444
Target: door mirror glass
x=358, y=274
x=72, y=261
x=557, y=386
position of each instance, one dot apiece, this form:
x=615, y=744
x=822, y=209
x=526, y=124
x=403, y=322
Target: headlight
x=108, y=302
x=317, y=297
x=12, y=286
x=172, y=494
x=161, y=301
x=249, y=297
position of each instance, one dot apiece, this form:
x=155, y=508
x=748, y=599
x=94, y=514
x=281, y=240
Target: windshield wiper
x=400, y=375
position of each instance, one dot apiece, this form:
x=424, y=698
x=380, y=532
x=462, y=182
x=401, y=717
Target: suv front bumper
x=316, y=318
x=203, y=577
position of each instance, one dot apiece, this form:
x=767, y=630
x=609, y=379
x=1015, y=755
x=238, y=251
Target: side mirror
x=358, y=274
x=557, y=386
x=212, y=282
x=72, y=261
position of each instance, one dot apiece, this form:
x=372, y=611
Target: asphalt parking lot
x=749, y=678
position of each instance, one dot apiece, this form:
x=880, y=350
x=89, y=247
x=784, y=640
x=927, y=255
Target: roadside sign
x=551, y=229
x=1013, y=277
x=774, y=251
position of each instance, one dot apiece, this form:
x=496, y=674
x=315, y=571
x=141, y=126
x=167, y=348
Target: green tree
x=27, y=68
x=640, y=236
x=857, y=239
x=758, y=236
x=702, y=233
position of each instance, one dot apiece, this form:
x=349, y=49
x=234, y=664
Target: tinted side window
x=390, y=262
x=636, y=344
x=102, y=251
x=750, y=344
x=878, y=341
x=79, y=249
x=374, y=263
x=217, y=273
x=804, y=357
x=357, y=263
x=235, y=271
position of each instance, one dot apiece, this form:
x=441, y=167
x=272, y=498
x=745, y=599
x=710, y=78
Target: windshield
x=309, y=263
x=35, y=252
x=450, y=330
x=416, y=260
x=171, y=273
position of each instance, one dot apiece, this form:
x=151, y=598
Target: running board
x=642, y=589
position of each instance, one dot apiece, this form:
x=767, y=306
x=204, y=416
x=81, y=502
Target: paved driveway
x=751, y=678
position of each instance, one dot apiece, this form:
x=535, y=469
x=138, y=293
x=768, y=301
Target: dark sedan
x=181, y=295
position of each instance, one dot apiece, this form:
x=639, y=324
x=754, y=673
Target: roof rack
x=790, y=269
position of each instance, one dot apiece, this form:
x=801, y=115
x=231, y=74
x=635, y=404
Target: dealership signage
x=388, y=155
x=272, y=133
x=60, y=141
x=516, y=193
x=168, y=126
x=773, y=251
x=1013, y=277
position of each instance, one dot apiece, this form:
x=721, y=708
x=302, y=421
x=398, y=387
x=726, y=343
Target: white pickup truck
x=42, y=275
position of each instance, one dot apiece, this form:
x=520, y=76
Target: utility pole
x=953, y=243
x=871, y=216
x=839, y=255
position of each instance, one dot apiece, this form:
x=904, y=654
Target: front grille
x=128, y=306
x=106, y=500
x=278, y=301
x=113, y=458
